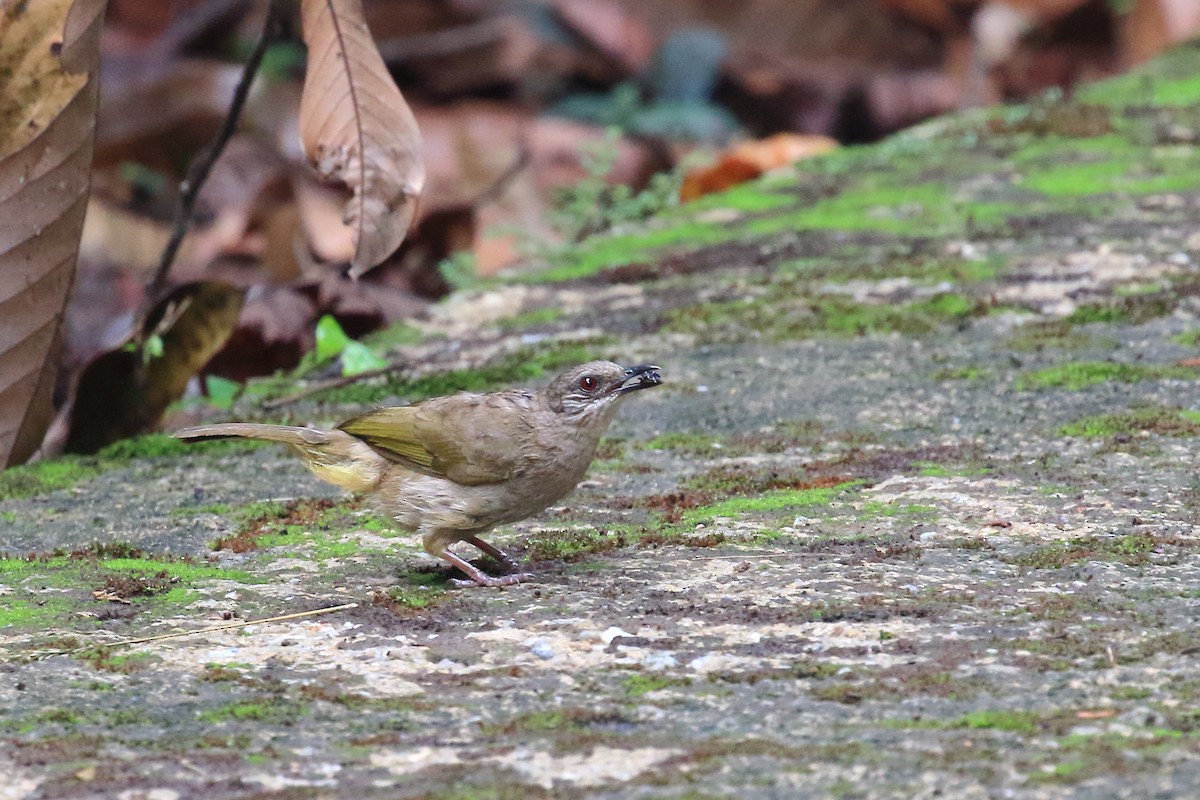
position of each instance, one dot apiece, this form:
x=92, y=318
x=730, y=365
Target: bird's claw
x=488, y=580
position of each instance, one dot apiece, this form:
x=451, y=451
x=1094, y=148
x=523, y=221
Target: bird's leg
x=505, y=560
x=478, y=577
x=437, y=543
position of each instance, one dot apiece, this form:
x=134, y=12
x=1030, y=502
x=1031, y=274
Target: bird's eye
x=588, y=383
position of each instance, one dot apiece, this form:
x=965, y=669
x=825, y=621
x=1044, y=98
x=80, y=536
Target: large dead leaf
x=357, y=129
x=48, y=58
x=125, y=391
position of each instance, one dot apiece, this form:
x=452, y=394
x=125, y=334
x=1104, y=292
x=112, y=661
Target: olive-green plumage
x=452, y=468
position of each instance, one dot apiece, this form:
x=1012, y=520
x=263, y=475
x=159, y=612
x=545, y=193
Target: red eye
x=588, y=383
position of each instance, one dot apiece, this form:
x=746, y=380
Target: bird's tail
x=334, y=456
x=287, y=434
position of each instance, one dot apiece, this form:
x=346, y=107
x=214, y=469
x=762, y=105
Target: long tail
x=334, y=456
x=287, y=434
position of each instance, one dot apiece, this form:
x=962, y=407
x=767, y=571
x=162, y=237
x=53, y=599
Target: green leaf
x=331, y=339
x=153, y=347
x=221, y=391
x=357, y=358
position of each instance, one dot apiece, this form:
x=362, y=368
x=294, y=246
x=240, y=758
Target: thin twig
x=178, y=634
x=203, y=163
x=329, y=383
x=499, y=186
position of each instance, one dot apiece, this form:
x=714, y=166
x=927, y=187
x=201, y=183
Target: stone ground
x=915, y=516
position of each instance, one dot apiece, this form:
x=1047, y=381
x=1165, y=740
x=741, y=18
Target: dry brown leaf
x=357, y=130
x=749, y=160
x=48, y=58
x=124, y=392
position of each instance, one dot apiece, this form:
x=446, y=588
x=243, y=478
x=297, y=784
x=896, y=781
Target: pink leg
x=477, y=576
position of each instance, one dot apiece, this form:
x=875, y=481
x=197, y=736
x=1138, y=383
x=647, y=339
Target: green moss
x=1081, y=374
x=219, y=509
x=1162, y=421
x=1133, y=549
x=1085, y=315
x=108, y=659
x=395, y=335
x=529, y=319
x=874, y=508
x=180, y=570
x=48, y=476
x=1131, y=309
x=963, y=374
x=767, y=502
x=1040, y=335
x=1017, y=721
x=1035, y=151
x=779, y=317
x=754, y=196
x=154, y=445
x=53, y=589
x=575, y=543
x=931, y=469
x=875, y=202
x=411, y=597
x=1076, y=179
x=318, y=545
x=601, y=252
x=1168, y=81
x=641, y=683
x=275, y=711
x=67, y=471
x=685, y=442
x=30, y=613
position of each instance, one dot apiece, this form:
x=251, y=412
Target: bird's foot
x=507, y=562
x=487, y=580
x=476, y=576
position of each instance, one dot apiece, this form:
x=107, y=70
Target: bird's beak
x=640, y=377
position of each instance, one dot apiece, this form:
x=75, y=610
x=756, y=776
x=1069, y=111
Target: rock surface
x=915, y=517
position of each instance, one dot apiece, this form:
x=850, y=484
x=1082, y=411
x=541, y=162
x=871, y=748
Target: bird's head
x=592, y=389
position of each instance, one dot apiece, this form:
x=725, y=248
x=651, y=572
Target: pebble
x=659, y=660
x=542, y=649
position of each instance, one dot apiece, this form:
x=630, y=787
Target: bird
x=452, y=468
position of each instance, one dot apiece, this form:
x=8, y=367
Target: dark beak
x=639, y=377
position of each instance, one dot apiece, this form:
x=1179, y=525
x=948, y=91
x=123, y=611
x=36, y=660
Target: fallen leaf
x=49, y=53
x=357, y=129
x=749, y=160
x=125, y=391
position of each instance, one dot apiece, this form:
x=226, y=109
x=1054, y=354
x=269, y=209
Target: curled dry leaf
x=357, y=130
x=48, y=58
x=749, y=160
x=124, y=392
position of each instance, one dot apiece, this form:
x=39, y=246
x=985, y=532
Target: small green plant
x=460, y=270
x=332, y=342
x=594, y=205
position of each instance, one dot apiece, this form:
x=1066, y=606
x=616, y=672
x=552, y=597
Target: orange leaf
x=49, y=54
x=357, y=130
x=748, y=160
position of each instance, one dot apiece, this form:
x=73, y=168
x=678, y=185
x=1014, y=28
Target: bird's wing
x=470, y=439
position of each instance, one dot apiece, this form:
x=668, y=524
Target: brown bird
x=452, y=468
